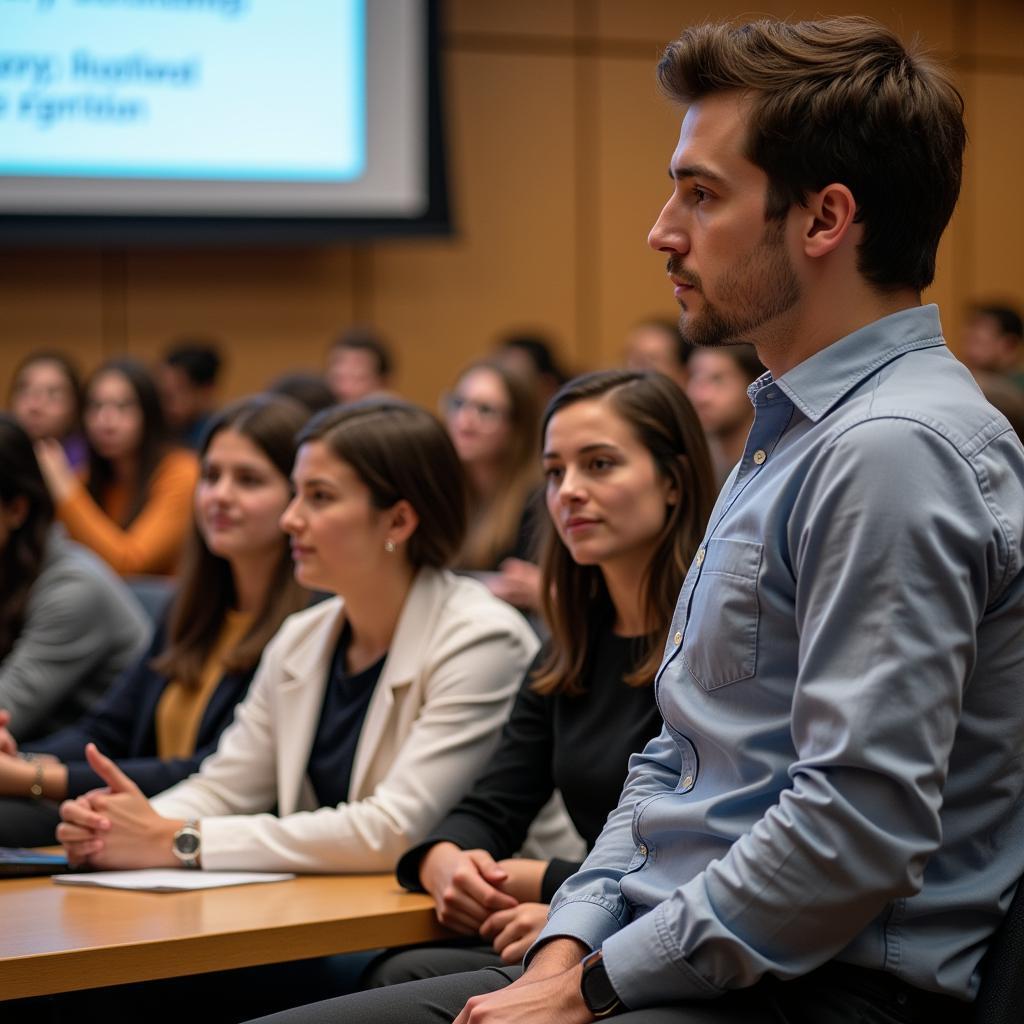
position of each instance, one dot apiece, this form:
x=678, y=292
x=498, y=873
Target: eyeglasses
x=454, y=404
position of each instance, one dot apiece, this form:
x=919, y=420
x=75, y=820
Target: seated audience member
x=186, y=379
x=629, y=491
x=492, y=421
x=46, y=399
x=167, y=713
x=68, y=625
x=532, y=357
x=717, y=384
x=993, y=342
x=656, y=344
x=370, y=714
x=309, y=389
x=827, y=829
x=359, y=364
x=132, y=507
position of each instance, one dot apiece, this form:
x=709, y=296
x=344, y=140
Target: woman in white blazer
x=390, y=696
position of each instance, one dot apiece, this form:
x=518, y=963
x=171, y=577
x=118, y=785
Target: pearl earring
x=389, y=546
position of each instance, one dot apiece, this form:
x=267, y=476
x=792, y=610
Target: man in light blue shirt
x=831, y=824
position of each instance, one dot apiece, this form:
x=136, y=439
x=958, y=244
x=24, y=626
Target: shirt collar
x=820, y=381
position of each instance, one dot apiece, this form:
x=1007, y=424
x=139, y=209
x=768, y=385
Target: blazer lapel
x=401, y=667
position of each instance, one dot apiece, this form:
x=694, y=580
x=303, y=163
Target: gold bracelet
x=36, y=789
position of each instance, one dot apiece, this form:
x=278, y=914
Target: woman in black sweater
x=629, y=490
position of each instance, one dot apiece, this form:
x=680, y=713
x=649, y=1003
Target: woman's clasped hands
x=498, y=900
x=115, y=827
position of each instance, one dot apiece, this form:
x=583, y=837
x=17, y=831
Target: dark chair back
x=1001, y=997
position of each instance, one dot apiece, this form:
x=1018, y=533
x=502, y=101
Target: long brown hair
x=494, y=519
x=21, y=559
x=207, y=590
x=840, y=100
x=574, y=597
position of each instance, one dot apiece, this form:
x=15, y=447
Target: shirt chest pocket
x=720, y=642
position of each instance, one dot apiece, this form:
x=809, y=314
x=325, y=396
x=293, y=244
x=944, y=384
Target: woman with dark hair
x=68, y=626
x=46, y=399
x=132, y=508
x=629, y=491
x=167, y=713
x=369, y=712
x=492, y=419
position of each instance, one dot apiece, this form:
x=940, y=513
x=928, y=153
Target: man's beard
x=761, y=286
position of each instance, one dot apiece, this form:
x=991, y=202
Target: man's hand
x=513, y=932
x=530, y=999
x=115, y=827
x=464, y=884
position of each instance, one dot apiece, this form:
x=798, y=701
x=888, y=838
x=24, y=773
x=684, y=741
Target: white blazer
x=444, y=692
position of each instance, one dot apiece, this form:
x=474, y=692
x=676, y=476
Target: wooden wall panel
x=51, y=299
x=995, y=169
x=275, y=309
x=511, y=263
x=659, y=21
x=997, y=30
x=638, y=130
x=540, y=18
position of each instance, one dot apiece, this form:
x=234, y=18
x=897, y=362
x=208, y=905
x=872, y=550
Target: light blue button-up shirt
x=841, y=769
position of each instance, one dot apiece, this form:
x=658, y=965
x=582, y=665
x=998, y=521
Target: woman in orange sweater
x=133, y=505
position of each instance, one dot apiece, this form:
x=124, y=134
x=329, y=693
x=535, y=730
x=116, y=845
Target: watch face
x=186, y=844
x=596, y=987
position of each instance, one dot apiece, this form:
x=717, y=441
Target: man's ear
x=831, y=218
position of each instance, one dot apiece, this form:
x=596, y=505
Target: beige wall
x=558, y=150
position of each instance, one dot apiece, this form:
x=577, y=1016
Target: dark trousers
x=833, y=994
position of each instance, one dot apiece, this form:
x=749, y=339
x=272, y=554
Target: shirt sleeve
x=589, y=906
x=889, y=512
x=152, y=541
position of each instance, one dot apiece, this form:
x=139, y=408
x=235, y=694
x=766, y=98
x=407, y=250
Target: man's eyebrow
x=694, y=171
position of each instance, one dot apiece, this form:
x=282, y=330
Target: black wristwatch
x=596, y=987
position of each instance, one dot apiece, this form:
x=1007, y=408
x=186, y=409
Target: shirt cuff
x=585, y=920
x=644, y=969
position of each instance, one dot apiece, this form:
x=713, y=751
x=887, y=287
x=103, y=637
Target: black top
x=346, y=699
x=580, y=745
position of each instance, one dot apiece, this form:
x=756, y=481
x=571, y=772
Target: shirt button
x=642, y=850
x=688, y=781
x=759, y=456
x=677, y=639
x=699, y=558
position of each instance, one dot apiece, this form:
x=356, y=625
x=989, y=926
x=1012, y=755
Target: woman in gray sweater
x=68, y=625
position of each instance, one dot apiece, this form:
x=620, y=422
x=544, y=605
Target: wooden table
x=60, y=938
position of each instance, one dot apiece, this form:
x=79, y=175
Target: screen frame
x=34, y=229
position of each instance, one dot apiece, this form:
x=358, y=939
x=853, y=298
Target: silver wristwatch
x=187, y=843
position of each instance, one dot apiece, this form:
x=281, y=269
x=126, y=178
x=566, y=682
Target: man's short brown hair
x=840, y=100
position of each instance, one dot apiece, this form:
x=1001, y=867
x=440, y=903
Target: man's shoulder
x=927, y=391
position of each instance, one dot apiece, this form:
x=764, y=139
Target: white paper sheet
x=173, y=880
